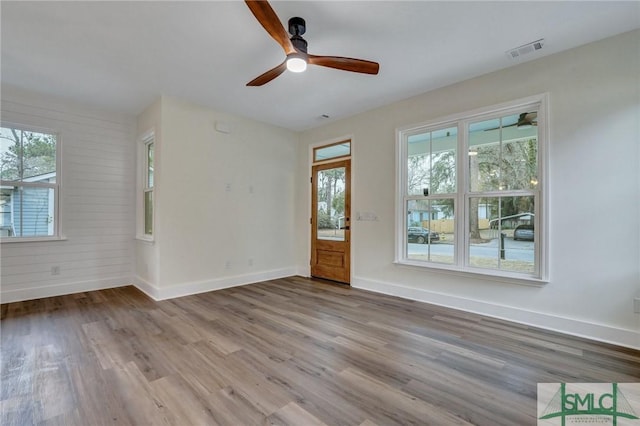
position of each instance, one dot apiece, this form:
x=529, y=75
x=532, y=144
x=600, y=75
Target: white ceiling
x=123, y=55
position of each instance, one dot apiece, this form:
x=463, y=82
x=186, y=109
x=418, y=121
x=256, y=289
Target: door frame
x=310, y=164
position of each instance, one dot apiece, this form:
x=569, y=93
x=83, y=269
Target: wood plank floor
x=285, y=352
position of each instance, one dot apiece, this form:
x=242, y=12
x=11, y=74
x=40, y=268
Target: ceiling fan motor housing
x=297, y=27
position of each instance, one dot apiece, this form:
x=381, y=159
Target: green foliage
x=28, y=154
x=331, y=187
x=437, y=172
x=507, y=166
x=338, y=203
x=324, y=221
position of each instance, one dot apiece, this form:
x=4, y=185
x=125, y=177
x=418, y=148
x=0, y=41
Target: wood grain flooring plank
x=231, y=408
x=51, y=385
x=291, y=351
x=391, y=406
x=142, y=403
x=195, y=410
x=96, y=406
x=293, y=414
x=317, y=391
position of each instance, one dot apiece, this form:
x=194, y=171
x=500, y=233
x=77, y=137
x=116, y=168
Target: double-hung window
x=471, y=192
x=29, y=184
x=146, y=167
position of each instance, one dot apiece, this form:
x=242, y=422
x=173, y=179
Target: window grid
x=29, y=182
x=462, y=242
x=148, y=199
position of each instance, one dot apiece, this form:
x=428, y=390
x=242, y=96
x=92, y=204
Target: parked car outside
x=524, y=233
x=416, y=234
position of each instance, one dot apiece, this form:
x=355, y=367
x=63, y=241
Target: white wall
x=594, y=219
x=96, y=196
x=224, y=201
x=147, y=253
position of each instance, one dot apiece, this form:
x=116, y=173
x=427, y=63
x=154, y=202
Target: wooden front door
x=330, y=221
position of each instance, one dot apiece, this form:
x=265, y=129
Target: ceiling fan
x=295, y=47
x=525, y=121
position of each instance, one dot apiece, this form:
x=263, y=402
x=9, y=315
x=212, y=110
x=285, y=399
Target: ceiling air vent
x=525, y=49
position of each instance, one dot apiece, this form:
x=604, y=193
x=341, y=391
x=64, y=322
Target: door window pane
x=342, y=149
x=331, y=220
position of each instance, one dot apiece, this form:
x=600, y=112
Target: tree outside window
x=480, y=175
x=28, y=177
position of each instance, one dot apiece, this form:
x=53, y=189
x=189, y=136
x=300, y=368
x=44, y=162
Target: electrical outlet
x=55, y=270
x=636, y=305
x=250, y=261
x=227, y=264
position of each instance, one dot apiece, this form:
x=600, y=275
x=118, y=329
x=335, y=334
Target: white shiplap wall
x=96, y=201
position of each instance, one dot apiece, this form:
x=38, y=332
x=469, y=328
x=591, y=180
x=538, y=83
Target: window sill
x=486, y=275
x=12, y=240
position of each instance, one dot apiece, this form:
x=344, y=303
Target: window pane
x=520, y=164
x=150, y=165
x=431, y=230
x=27, y=211
x=431, y=162
x=10, y=154
x=148, y=213
x=501, y=234
x=39, y=156
x=332, y=151
x=29, y=156
x=503, y=153
x=330, y=214
x=6, y=212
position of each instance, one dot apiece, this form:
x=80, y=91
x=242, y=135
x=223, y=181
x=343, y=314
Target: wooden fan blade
x=269, y=20
x=269, y=75
x=528, y=118
x=346, y=64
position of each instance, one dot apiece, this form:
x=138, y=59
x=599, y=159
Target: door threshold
x=327, y=281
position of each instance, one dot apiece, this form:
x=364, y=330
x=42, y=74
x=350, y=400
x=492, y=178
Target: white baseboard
x=195, y=287
x=303, y=271
x=20, y=294
x=574, y=327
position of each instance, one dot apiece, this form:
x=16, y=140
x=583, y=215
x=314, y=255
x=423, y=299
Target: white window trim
x=57, y=223
x=460, y=254
x=143, y=141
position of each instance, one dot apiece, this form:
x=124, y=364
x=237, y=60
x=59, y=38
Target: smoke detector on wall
x=525, y=49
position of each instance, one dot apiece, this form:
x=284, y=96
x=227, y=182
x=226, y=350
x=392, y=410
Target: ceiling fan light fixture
x=296, y=62
x=295, y=47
